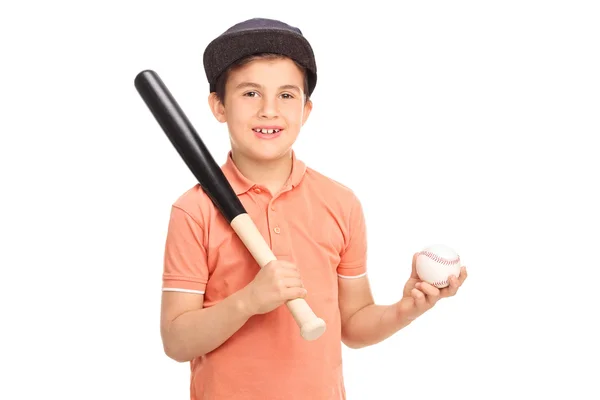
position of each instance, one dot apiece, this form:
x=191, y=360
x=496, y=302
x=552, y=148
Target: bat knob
x=313, y=329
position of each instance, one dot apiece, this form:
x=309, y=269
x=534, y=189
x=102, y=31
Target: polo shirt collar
x=241, y=184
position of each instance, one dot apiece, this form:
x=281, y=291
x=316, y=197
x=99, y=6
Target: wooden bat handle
x=311, y=326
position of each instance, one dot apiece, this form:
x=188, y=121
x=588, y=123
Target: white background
x=469, y=123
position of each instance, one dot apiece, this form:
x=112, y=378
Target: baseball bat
x=194, y=153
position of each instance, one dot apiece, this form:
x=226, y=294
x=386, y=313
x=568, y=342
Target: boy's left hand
x=419, y=296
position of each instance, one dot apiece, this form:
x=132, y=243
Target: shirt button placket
x=276, y=227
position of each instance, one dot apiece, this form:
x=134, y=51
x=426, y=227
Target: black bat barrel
x=188, y=144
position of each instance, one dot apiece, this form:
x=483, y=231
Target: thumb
x=413, y=273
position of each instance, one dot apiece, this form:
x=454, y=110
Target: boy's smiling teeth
x=268, y=131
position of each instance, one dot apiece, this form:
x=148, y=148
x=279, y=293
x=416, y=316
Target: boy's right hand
x=276, y=283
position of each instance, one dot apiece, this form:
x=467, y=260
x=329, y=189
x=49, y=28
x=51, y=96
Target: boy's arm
x=364, y=323
x=189, y=331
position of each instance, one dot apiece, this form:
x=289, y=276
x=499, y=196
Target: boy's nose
x=268, y=109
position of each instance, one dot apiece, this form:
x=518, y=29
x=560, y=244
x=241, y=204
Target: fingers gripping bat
x=194, y=153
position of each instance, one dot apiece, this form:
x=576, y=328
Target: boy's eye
x=254, y=94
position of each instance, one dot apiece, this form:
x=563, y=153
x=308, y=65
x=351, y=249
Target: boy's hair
x=222, y=79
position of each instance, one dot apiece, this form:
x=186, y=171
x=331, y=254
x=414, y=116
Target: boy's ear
x=307, y=109
x=217, y=107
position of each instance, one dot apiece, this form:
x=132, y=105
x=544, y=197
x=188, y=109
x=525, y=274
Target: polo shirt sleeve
x=353, y=262
x=185, y=257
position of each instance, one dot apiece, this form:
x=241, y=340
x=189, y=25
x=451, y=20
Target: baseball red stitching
x=439, y=259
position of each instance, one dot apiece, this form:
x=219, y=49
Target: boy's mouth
x=267, y=131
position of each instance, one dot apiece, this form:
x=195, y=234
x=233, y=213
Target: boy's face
x=263, y=96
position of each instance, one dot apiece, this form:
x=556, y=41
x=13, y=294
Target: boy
x=223, y=313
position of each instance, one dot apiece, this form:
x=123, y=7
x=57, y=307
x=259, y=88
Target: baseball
x=436, y=263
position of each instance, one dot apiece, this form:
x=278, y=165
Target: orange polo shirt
x=314, y=222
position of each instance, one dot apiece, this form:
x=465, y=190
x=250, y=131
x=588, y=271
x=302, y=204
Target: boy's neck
x=272, y=174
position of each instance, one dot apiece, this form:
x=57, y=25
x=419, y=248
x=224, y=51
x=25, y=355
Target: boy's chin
x=267, y=153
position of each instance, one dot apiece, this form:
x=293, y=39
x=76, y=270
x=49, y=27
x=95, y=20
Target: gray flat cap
x=258, y=35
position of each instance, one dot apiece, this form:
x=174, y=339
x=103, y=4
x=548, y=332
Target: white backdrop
x=469, y=123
